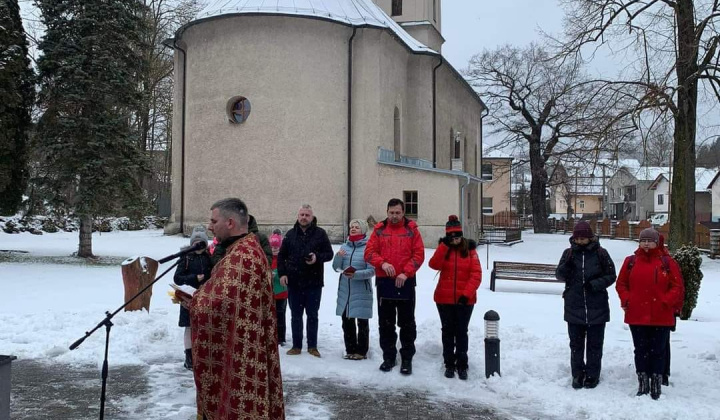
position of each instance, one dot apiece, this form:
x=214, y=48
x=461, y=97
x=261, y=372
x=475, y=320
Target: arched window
x=396, y=134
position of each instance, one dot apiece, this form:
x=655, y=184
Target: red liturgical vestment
x=234, y=338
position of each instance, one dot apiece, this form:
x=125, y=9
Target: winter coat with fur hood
x=459, y=276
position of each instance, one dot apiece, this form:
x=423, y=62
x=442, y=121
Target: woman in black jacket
x=192, y=271
x=587, y=270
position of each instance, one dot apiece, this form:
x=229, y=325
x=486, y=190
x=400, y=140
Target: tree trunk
x=137, y=273
x=682, y=195
x=85, y=247
x=538, y=185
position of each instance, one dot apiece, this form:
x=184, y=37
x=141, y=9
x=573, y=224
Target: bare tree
x=675, y=49
x=547, y=106
x=154, y=115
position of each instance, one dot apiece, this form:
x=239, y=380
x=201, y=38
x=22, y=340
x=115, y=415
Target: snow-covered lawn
x=46, y=306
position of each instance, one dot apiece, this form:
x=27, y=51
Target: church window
x=238, y=109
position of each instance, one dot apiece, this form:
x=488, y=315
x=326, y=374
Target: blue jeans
x=305, y=300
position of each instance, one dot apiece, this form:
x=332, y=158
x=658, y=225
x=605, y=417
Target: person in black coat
x=300, y=267
x=192, y=270
x=587, y=270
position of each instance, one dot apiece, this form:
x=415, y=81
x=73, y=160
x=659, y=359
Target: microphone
x=197, y=246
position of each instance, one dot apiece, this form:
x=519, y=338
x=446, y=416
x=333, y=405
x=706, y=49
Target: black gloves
x=463, y=300
x=445, y=240
x=589, y=287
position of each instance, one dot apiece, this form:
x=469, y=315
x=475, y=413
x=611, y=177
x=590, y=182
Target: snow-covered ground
x=45, y=306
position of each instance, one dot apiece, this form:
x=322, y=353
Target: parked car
x=659, y=219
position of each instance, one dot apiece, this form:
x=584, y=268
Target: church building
x=341, y=104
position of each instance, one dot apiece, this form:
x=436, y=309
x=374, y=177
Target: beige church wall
x=438, y=196
x=292, y=148
x=426, y=34
x=417, y=124
x=173, y=225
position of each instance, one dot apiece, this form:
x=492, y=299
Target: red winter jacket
x=400, y=245
x=649, y=294
x=458, y=276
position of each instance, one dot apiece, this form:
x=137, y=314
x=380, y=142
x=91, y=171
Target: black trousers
x=357, y=338
x=455, y=320
x=391, y=311
x=650, y=348
x=586, y=337
x=280, y=307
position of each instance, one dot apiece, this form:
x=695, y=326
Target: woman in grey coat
x=355, y=295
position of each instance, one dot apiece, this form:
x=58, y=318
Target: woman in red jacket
x=455, y=294
x=650, y=287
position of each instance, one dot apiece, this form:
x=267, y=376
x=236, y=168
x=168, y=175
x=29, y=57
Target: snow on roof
x=703, y=179
x=647, y=173
x=349, y=12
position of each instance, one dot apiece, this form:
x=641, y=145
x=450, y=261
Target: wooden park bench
x=521, y=271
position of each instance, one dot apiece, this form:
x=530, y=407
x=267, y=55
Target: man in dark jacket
x=396, y=251
x=300, y=267
x=587, y=270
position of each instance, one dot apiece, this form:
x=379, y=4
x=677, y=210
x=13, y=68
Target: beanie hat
x=582, y=230
x=198, y=234
x=363, y=225
x=275, y=240
x=277, y=231
x=650, y=234
x=453, y=228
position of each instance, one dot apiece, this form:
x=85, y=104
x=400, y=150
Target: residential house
x=629, y=196
x=496, y=176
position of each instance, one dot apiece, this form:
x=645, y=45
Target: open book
x=185, y=292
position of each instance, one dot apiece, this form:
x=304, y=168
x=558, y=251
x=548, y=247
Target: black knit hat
x=453, y=228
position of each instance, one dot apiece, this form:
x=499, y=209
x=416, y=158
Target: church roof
x=360, y=13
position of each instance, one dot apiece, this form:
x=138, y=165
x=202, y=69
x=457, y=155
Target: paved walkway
x=42, y=390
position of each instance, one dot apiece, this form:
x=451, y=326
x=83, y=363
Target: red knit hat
x=582, y=230
x=453, y=228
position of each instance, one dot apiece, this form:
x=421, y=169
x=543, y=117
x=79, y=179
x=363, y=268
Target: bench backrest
x=522, y=269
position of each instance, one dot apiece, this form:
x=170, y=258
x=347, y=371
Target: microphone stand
x=107, y=323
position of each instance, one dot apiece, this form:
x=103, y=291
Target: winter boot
x=666, y=380
x=449, y=372
x=591, y=382
x=655, y=386
x=643, y=384
x=387, y=365
x=188, y=359
x=406, y=367
x=578, y=381
x=462, y=374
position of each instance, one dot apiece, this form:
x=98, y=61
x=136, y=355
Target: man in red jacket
x=396, y=251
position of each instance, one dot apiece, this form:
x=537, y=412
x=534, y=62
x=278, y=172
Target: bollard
x=5, y=362
x=492, y=343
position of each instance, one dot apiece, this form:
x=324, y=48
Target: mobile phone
x=349, y=270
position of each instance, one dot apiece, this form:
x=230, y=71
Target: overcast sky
x=469, y=26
